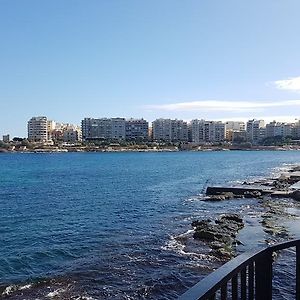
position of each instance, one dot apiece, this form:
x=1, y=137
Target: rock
x=216, y=198
x=219, y=235
x=228, y=195
x=204, y=235
x=216, y=245
x=231, y=217
x=198, y=223
x=252, y=194
x=295, y=195
x=222, y=253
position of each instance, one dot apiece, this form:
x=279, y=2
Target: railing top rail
x=215, y=280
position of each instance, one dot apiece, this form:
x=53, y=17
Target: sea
x=116, y=225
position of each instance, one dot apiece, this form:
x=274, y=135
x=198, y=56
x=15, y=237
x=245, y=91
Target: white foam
x=25, y=287
x=55, y=293
x=9, y=290
x=174, y=244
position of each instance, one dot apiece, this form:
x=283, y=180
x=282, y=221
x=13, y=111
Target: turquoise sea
x=104, y=225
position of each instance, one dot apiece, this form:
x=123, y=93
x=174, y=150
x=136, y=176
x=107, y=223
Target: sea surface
x=106, y=225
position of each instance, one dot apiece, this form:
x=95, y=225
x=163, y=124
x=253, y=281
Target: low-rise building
x=71, y=136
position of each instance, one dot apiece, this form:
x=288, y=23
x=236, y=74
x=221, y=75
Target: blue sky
x=70, y=59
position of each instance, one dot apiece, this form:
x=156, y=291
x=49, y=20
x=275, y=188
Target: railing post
x=298, y=272
x=251, y=281
x=263, y=276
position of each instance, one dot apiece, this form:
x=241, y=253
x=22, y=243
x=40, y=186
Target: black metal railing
x=248, y=276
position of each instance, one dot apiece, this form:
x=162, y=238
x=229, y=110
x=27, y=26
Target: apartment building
x=103, y=128
x=136, y=129
x=279, y=129
x=169, y=130
x=37, y=128
x=231, y=127
x=207, y=131
x=256, y=130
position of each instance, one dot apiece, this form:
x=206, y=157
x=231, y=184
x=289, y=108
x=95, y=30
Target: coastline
x=154, y=149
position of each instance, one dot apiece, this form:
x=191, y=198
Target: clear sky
x=70, y=59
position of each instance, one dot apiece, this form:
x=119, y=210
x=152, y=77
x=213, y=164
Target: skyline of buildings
x=196, y=131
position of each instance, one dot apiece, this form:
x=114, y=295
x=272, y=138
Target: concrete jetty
x=286, y=185
x=238, y=191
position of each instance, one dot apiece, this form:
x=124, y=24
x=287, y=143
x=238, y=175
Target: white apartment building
x=279, y=129
x=169, y=130
x=207, y=131
x=37, y=128
x=103, y=128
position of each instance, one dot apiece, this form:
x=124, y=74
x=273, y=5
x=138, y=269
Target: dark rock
x=231, y=217
x=216, y=198
x=220, y=235
x=295, y=195
x=201, y=222
x=216, y=245
x=205, y=235
x=252, y=194
x=222, y=253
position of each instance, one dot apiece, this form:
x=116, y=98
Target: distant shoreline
x=152, y=150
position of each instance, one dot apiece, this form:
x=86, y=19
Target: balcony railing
x=248, y=276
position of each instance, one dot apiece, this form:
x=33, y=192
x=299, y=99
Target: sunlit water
x=103, y=225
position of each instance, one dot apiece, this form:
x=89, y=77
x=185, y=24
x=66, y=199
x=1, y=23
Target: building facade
x=207, y=131
x=103, y=129
x=6, y=138
x=169, y=130
x=136, y=129
x=37, y=128
x=256, y=130
x=279, y=129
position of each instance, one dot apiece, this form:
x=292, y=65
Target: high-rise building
x=197, y=131
x=136, y=129
x=103, y=129
x=296, y=130
x=279, y=129
x=117, y=128
x=170, y=130
x=162, y=130
x=207, y=131
x=255, y=130
x=38, y=129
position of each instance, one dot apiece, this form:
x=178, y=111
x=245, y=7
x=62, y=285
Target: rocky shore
x=273, y=196
x=219, y=234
